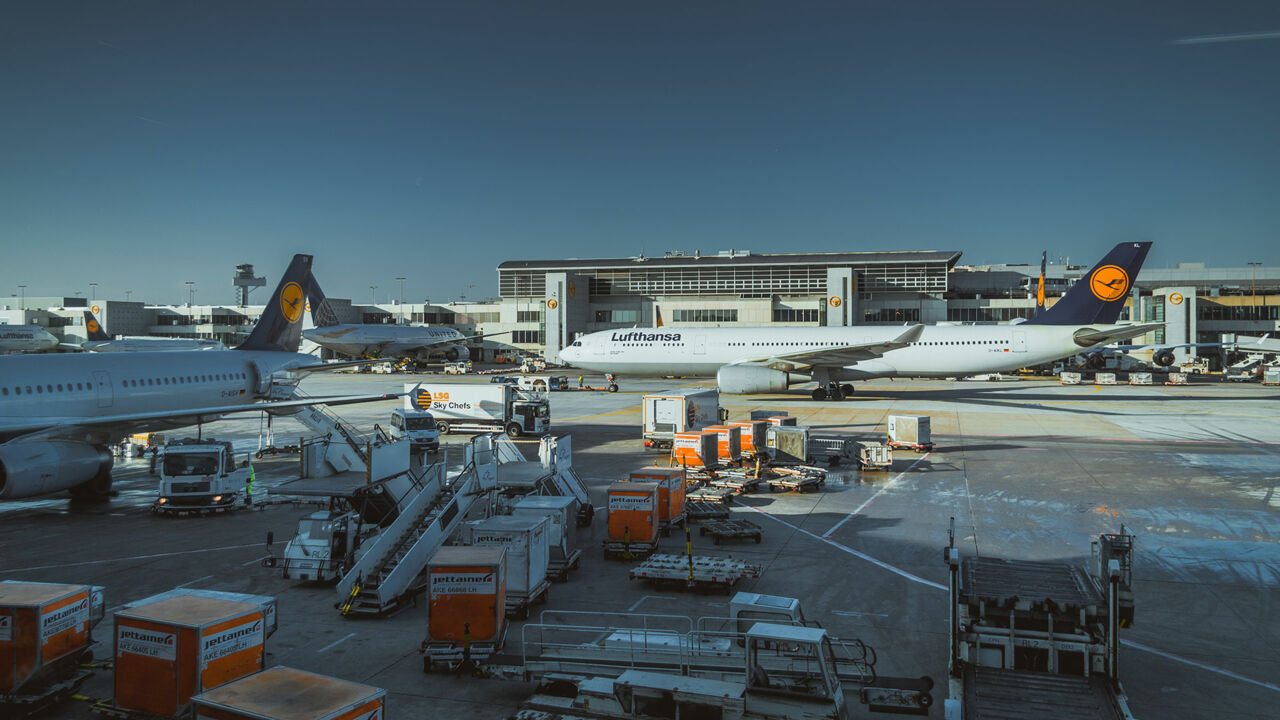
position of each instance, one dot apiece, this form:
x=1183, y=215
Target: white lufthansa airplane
x=58, y=413
x=415, y=342
x=100, y=341
x=771, y=359
x=26, y=339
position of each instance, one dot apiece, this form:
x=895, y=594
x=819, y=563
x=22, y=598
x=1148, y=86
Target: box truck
x=470, y=407
x=676, y=412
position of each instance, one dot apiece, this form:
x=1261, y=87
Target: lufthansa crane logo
x=551, y=303
x=573, y=290
x=291, y=302
x=94, y=309
x=1109, y=282
x=834, y=301
x=93, y=326
x=1175, y=298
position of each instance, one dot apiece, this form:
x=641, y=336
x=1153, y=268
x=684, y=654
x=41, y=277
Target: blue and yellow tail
x=93, y=329
x=280, y=327
x=1100, y=295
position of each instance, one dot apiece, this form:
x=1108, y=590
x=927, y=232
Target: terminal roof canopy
x=950, y=257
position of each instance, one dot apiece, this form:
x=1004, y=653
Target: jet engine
x=457, y=352
x=749, y=379
x=1164, y=357
x=28, y=469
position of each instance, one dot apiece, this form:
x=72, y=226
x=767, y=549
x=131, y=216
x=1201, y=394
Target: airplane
x=100, y=341
x=415, y=342
x=59, y=413
x=747, y=360
x=26, y=339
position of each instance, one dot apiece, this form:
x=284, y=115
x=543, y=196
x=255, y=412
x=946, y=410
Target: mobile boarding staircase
x=391, y=571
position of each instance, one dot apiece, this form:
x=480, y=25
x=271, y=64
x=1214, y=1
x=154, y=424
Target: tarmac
x=1029, y=469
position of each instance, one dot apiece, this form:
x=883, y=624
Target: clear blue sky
x=150, y=143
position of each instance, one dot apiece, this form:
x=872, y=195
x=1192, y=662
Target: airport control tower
x=244, y=282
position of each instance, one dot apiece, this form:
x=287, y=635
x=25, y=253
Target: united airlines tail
x=93, y=328
x=279, y=328
x=322, y=314
x=1100, y=295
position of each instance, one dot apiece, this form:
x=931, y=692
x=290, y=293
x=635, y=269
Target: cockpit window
x=577, y=343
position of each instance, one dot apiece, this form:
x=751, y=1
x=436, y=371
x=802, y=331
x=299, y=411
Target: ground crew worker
x=248, y=488
x=579, y=382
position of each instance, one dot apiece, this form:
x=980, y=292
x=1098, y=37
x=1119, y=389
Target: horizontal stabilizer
x=1089, y=337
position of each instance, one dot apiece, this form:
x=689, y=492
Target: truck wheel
x=513, y=431
x=443, y=427
x=613, y=387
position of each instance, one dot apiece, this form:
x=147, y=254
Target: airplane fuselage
x=26, y=339
x=941, y=351
x=148, y=344
x=386, y=340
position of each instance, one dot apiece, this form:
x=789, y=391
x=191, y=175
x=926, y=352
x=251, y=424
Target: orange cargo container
x=171, y=649
x=283, y=693
x=728, y=442
x=633, y=513
x=695, y=449
x=752, y=435
x=40, y=625
x=783, y=421
x=670, y=482
x=467, y=585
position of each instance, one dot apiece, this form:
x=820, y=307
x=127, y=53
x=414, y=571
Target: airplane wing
x=1089, y=337
x=45, y=428
x=450, y=341
x=837, y=356
x=321, y=367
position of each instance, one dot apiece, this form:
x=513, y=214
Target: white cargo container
x=1070, y=378
x=527, y=540
x=475, y=407
x=910, y=431
x=1140, y=378
x=676, y=412
x=1105, y=378
x=561, y=512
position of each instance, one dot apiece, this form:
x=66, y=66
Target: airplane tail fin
x=322, y=314
x=279, y=329
x=657, y=316
x=1044, y=255
x=93, y=328
x=1099, y=296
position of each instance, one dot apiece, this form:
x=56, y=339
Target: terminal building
x=545, y=304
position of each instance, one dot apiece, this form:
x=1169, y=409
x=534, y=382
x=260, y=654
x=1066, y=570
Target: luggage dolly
x=731, y=530
x=697, y=510
x=914, y=447
x=455, y=656
x=27, y=705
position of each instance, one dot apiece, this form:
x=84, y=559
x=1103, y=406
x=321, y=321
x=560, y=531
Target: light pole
x=93, y=292
x=191, y=293
x=23, y=302
x=401, y=281
x=1253, y=289
x=127, y=294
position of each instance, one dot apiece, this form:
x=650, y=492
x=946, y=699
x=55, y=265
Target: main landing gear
x=833, y=391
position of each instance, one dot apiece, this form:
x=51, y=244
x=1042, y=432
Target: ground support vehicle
x=466, y=618
x=543, y=383
x=417, y=425
x=1026, y=636
x=457, y=368
x=770, y=672
x=1271, y=376
x=874, y=456
x=700, y=510
x=199, y=477
x=467, y=407
x=683, y=411
x=722, y=530
x=910, y=432
x=45, y=640
x=699, y=573
x=1070, y=378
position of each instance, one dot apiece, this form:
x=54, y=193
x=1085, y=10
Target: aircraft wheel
x=819, y=393
x=613, y=387
x=847, y=389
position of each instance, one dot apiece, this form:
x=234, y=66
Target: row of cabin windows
x=81, y=387
x=835, y=344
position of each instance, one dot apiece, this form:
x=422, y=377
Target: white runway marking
x=192, y=582
x=872, y=499
x=133, y=557
x=336, y=643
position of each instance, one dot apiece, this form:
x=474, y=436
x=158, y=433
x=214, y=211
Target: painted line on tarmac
x=851, y=551
x=192, y=582
x=134, y=557
x=930, y=583
x=640, y=602
x=608, y=414
x=872, y=499
x=336, y=643
x=256, y=560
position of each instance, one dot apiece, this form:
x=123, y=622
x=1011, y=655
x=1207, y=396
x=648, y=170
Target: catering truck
x=471, y=407
x=681, y=411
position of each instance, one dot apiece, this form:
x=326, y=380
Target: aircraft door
x=699, y=344
x=102, y=380
x=1019, y=341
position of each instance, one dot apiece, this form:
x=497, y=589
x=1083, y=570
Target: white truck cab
x=417, y=425
x=199, y=476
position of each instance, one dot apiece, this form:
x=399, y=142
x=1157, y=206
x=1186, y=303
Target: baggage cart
x=696, y=449
x=728, y=443
x=1104, y=378
x=833, y=449
x=694, y=573
x=466, y=601
x=787, y=445
x=45, y=635
x=671, y=494
x=1271, y=376
x=699, y=510
x=875, y=456
x=528, y=556
x=283, y=693
x=796, y=480
x=722, y=530
x=752, y=436
x=1140, y=378
x=1070, y=378
x=633, y=520
x=1176, y=378
x=561, y=513
x=910, y=432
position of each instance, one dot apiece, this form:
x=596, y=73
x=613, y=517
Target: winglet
x=93, y=328
x=1100, y=295
x=280, y=327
